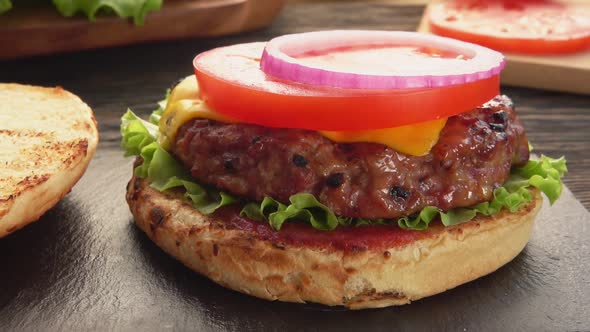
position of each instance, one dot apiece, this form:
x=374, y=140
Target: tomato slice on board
x=525, y=26
x=232, y=83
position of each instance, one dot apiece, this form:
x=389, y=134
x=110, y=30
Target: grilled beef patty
x=472, y=157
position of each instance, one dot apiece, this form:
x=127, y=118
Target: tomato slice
x=232, y=83
x=525, y=26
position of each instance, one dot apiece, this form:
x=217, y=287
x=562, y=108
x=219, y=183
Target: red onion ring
x=279, y=60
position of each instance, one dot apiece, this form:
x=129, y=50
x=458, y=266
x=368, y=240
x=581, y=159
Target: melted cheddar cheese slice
x=184, y=104
x=415, y=139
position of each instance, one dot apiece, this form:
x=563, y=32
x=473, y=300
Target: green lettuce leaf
x=544, y=174
x=157, y=114
x=136, y=134
x=420, y=221
x=304, y=207
x=140, y=138
x=136, y=9
x=5, y=5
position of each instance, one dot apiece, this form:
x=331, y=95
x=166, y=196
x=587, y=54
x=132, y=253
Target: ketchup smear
x=299, y=234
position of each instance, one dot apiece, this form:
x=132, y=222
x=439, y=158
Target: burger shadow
x=467, y=306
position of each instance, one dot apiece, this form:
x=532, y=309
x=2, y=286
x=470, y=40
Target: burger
x=353, y=168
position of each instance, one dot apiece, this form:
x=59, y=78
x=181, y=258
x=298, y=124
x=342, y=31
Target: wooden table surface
x=85, y=266
x=110, y=80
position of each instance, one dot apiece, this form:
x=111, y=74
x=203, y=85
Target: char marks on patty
x=472, y=157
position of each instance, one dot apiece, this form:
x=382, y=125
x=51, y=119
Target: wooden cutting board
x=567, y=73
x=42, y=30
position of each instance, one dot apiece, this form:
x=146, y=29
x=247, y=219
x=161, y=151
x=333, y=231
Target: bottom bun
x=376, y=276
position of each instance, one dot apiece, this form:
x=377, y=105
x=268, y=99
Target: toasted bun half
x=240, y=259
x=47, y=138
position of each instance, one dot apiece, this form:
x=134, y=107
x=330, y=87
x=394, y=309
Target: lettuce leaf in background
x=140, y=138
x=5, y=6
x=136, y=9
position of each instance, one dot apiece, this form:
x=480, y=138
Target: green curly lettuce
x=157, y=114
x=134, y=9
x=304, y=207
x=5, y=5
x=140, y=138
